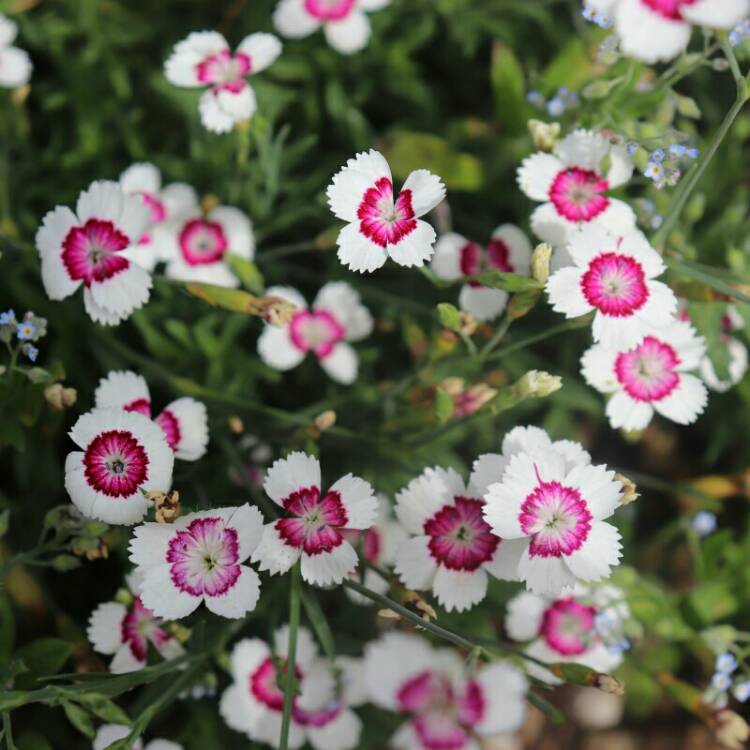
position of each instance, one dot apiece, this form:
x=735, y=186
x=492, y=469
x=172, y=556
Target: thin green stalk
x=290, y=679
x=502, y=329
x=8, y=731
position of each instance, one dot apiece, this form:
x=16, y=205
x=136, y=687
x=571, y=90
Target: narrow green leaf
x=450, y=316
x=80, y=719
x=508, y=86
x=248, y=273
x=444, y=406
x=103, y=707
x=319, y=622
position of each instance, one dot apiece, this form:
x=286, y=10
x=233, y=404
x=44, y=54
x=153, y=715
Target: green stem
x=290, y=679
x=502, y=329
x=8, y=731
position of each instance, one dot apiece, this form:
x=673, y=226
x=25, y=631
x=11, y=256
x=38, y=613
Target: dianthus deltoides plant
x=341, y=337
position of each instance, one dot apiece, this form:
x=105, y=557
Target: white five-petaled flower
x=614, y=277
x=321, y=711
x=184, y=421
x=653, y=376
x=86, y=247
x=204, y=59
x=508, y=250
x=197, y=246
x=313, y=526
x=107, y=734
x=573, y=188
x=126, y=633
x=15, y=65
x=452, y=548
x=564, y=628
x=122, y=456
x=345, y=23
x=555, y=500
x=382, y=225
x=199, y=558
x=447, y=705
x=164, y=203
x=659, y=30
x=337, y=316
x=379, y=545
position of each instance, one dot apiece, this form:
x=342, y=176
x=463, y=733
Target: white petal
x=277, y=350
x=342, y=364
x=221, y=109
x=545, y=575
x=124, y=661
x=307, y=649
x=414, y=564
x=103, y=629
x=628, y=414
x=49, y=241
x=589, y=241
x=240, y=599
x=550, y=227
x=349, y=184
x=238, y=229
x=288, y=293
x=483, y=303
x=327, y=568
x=163, y=598
x=248, y=522
x=181, y=67
x=359, y=501
x=523, y=618
x=459, y=590
x=340, y=734
x=504, y=693
x=123, y=293
x=192, y=420
x=536, y=173
x=738, y=364
x=247, y=655
x=525, y=439
x=415, y=248
x=598, y=368
x=421, y=499
x=15, y=67
x=273, y=554
x=179, y=199
x=217, y=273
x=598, y=487
x=292, y=20
x=486, y=470
x=686, y=402
x=621, y=166
x=357, y=252
x=287, y=475
x=119, y=389
x=427, y=190
x=621, y=333
x=636, y=245
x=618, y=217
x=372, y=5
x=349, y=35
x=8, y=30
x=518, y=244
x=583, y=148
x=504, y=563
x=345, y=303
x=565, y=294
x=148, y=545
x=446, y=262
x=108, y=734
x=141, y=177
x=599, y=553
x=648, y=36
x=716, y=14
x=263, y=50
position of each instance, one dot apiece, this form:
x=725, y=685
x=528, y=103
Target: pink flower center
x=115, y=463
x=317, y=522
x=670, y=9
x=615, y=284
x=138, y=627
x=90, y=252
x=170, y=425
x=443, y=719
x=203, y=242
x=156, y=208
x=224, y=71
x=329, y=10
x=556, y=518
x=474, y=259
x=460, y=538
x=204, y=557
x=647, y=373
x=317, y=331
x=140, y=406
x=568, y=627
x=577, y=194
x=264, y=684
x=383, y=221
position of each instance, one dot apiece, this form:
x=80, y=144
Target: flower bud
x=540, y=259
x=277, y=311
x=236, y=425
x=325, y=420
x=537, y=384
x=732, y=730
x=59, y=397
x=209, y=202
x=544, y=135
x=629, y=491
x=167, y=505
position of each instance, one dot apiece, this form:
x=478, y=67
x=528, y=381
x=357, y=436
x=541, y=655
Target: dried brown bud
x=629, y=491
x=59, y=397
x=469, y=324
x=97, y=553
x=325, y=420
x=277, y=311
x=426, y=611
x=608, y=684
x=388, y=614
x=732, y=730
x=166, y=504
x=236, y=425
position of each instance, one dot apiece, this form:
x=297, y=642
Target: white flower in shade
x=15, y=65
x=199, y=558
x=197, y=246
x=555, y=500
x=205, y=60
x=122, y=456
x=379, y=545
x=564, y=628
x=345, y=23
x=382, y=225
x=447, y=705
x=508, y=250
x=738, y=357
x=314, y=523
x=660, y=30
x=164, y=203
x=86, y=247
x=452, y=548
x=127, y=632
x=184, y=421
x=321, y=712
x=573, y=187
x=337, y=316
x=653, y=376
x=613, y=277
x=107, y=734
